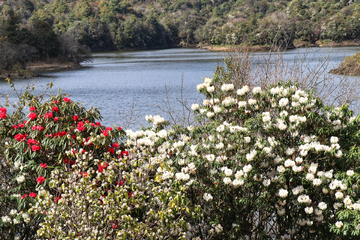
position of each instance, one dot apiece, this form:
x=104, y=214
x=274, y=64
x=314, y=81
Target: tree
x=44, y=39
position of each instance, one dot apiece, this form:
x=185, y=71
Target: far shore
x=35, y=70
x=300, y=44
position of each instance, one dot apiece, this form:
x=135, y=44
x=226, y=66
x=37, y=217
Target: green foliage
x=254, y=22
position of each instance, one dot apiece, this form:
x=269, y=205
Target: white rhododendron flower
x=256, y=90
x=243, y=90
x=339, y=224
x=195, y=106
x=283, y=102
x=227, y=87
x=283, y=193
x=208, y=197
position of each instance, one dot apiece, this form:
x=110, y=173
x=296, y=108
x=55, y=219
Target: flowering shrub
x=265, y=163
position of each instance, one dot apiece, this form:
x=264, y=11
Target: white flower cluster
x=227, y=87
x=156, y=120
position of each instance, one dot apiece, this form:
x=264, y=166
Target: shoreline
x=35, y=69
x=217, y=48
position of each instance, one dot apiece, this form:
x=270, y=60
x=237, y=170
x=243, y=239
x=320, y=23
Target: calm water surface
x=114, y=81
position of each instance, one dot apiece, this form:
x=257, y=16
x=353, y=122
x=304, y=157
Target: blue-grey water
x=114, y=81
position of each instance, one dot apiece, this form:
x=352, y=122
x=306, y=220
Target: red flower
x=32, y=108
x=43, y=165
x=115, y=145
x=3, y=110
x=119, y=128
x=56, y=119
x=20, y=137
x=55, y=102
x=130, y=194
x=126, y=153
x=67, y=99
x=15, y=127
x=48, y=115
x=32, y=195
x=105, y=133
x=32, y=141
x=76, y=117
x=114, y=226
x=85, y=174
x=22, y=197
x=32, y=116
x=35, y=148
x=21, y=125
x=66, y=160
x=80, y=126
x=111, y=150
x=57, y=199
x=55, y=109
x=2, y=115
x=120, y=183
x=102, y=166
x=40, y=179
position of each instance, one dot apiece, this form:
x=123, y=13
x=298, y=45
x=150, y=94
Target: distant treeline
x=127, y=24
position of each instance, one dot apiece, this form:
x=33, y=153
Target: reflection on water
x=116, y=80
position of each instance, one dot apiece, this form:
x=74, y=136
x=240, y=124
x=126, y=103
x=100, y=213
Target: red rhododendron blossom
x=86, y=174
x=40, y=179
x=43, y=165
x=130, y=194
x=35, y=148
x=55, y=109
x=124, y=153
x=39, y=128
x=3, y=110
x=20, y=137
x=102, y=166
x=105, y=133
x=32, y=108
x=57, y=199
x=120, y=183
x=76, y=118
x=98, y=124
x=21, y=125
x=32, y=141
x=80, y=126
x=48, y=115
x=115, y=145
x=111, y=150
x=32, y=116
x=15, y=127
x=56, y=101
x=114, y=226
x=2, y=115
x=22, y=197
x=33, y=195
x=56, y=119
x=67, y=99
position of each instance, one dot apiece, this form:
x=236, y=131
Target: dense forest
x=67, y=28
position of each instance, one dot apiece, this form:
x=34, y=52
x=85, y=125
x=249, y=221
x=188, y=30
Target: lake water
x=114, y=81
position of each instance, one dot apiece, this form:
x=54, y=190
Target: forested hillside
x=125, y=24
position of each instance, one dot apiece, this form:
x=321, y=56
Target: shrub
x=265, y=163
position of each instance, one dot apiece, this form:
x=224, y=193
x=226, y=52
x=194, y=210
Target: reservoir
x=115, y=81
